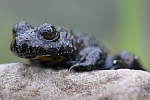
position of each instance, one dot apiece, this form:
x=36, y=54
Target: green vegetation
x=131, y=27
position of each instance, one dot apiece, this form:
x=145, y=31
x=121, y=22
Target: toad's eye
x=48, y=32
x=21, y=26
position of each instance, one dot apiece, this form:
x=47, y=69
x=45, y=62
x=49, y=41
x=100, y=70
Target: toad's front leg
x=90, y=58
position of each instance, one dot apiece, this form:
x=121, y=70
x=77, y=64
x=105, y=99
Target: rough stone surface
x=23, y=82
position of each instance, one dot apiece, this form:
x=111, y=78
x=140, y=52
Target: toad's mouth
x=26, y=51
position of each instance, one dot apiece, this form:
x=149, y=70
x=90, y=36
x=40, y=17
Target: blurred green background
x=119, y=24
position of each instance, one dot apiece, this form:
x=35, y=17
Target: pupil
x=47, y=36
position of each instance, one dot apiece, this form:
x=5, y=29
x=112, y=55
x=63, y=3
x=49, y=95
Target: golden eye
x=48, y=32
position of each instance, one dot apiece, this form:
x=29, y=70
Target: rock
x=24, y=82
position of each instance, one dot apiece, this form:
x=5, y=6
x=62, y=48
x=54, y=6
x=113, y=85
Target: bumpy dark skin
x=58, y=48
x=123, y=60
